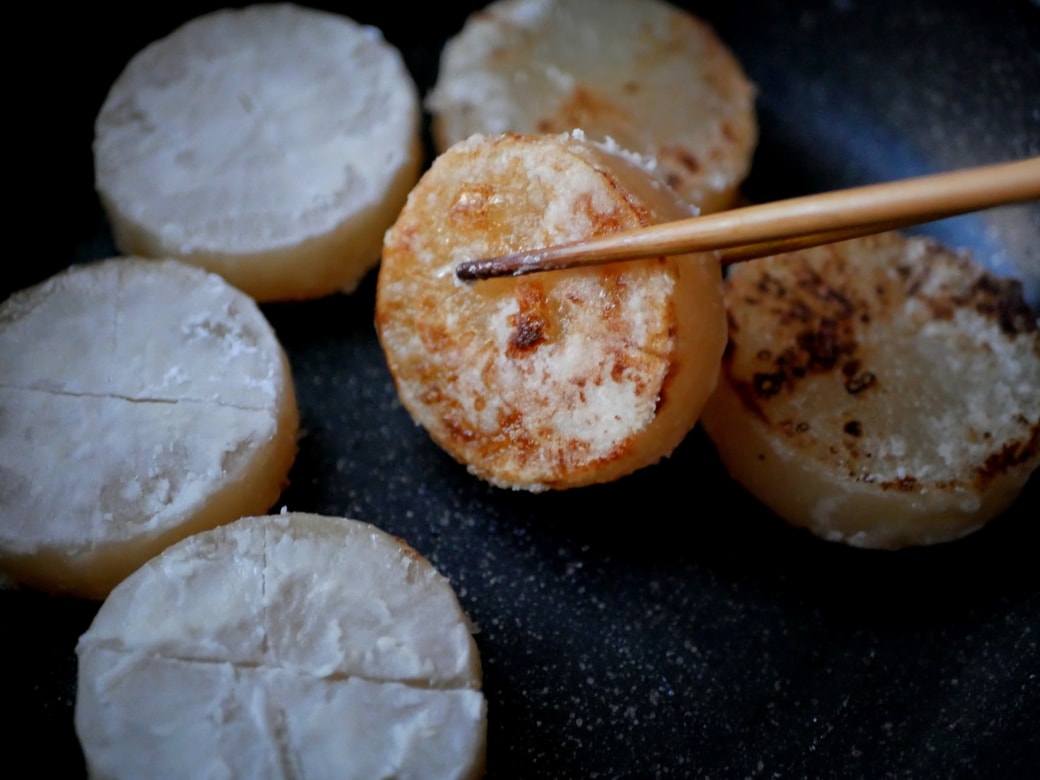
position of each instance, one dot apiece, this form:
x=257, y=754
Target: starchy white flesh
x=140, y=401
x=284, y=646
x=273, y=145
x=553, y=380
x=651, y=77
x=883, y=392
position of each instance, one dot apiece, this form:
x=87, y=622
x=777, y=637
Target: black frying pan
x=665, y=625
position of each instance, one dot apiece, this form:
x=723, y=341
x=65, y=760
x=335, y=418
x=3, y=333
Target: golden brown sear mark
x=531, y=322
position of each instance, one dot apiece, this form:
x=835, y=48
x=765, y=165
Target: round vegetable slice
x=554, y=380
x=881, y=392
x=140, y=401
x=653, y=78
x=292, y=645
x=272, y=144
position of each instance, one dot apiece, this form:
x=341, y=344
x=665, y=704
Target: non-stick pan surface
x=665, y=625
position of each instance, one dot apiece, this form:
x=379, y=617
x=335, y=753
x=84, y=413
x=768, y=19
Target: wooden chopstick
x=795, y=223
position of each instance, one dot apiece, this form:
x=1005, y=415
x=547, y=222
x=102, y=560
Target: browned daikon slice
x=652, y=77
x=556, y=380
x=882, y=392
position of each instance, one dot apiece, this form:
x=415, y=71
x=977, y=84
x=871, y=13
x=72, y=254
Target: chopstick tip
x=471, y=271
x=515, y=264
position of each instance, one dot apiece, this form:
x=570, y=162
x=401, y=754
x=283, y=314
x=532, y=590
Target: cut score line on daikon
x=786, y=225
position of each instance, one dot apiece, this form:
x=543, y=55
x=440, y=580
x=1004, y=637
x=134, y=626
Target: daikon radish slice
x=554, y=380
x=140, y=401
x=882, y=392
x=283, y=646
x=644, y=73
x=272, y=144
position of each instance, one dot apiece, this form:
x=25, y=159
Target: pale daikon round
x=272, y=144
x=291, y=645
x=140, y=401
